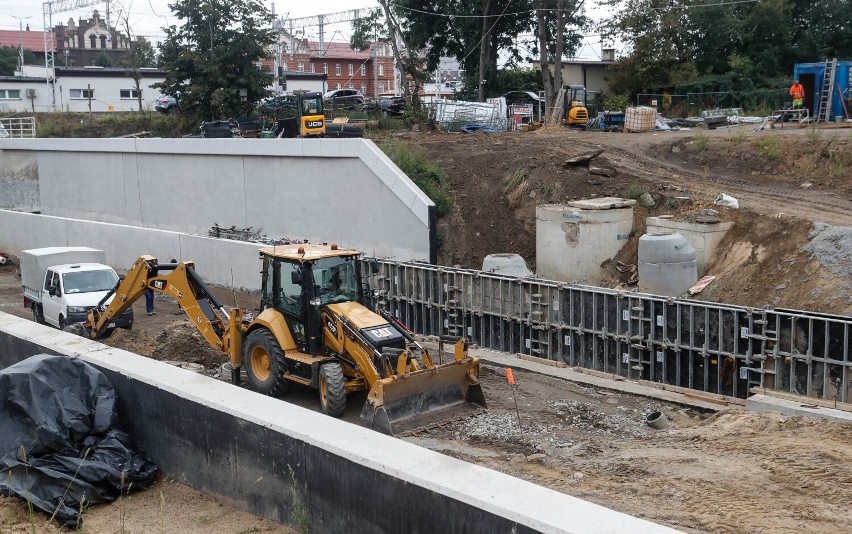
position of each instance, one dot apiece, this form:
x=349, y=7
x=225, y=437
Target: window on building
x=325, y=68
x=103, y=41
x=10, y=94
x=381, y=69
x=129, y=93
x=93, y=41
x=338, y=85
x=337, y=69
x=381, y=88
x=363, y=70
x=81, y=94
x=300, y=66
x=351, y=69
x=363, y=88
x=284, y=66
x=313, y=67
x=352, y=86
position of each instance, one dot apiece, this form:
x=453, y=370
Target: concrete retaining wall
x=221, y=440
x=329, y=190
x=222, y=262
x=18, y=180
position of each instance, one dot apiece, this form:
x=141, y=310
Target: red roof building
x=368, y=71
x=33, y=40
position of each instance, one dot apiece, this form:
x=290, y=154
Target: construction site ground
x=728, y=472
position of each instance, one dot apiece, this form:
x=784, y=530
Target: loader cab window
x=337, y=279
x=289, y=295
x=312, y=105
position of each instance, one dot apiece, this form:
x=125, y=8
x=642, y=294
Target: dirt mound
x=181, y=341
x=136, y=341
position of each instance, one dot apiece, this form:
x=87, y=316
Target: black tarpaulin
x=60, y=441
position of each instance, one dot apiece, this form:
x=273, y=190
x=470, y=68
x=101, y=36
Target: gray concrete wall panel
x=329, y=190
x=18, y=180
x=221, y=439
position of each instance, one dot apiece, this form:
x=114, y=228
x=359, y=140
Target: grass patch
x=769, y=147
x=429, y=177
x=633, y=191
x=813, y=134
x=548, y=190
x=700, y=141
x=115, y=124
x=519, y=176
x=738, y=138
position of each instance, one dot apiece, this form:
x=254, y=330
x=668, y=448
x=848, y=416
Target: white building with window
x=108, y=89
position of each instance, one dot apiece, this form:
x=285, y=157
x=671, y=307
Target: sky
x=148, y=17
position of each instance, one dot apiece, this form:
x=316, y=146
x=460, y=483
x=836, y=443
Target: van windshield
x=89, y=281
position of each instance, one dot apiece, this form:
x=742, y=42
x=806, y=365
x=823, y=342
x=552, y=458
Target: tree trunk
x=544, y=64
x=560, y=45
x=484, y=44
x=393, y=30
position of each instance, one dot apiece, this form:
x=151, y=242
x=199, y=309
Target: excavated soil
x=785, y=180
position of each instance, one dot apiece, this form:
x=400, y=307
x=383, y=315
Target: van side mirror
x=374, y=267
x=296, y=277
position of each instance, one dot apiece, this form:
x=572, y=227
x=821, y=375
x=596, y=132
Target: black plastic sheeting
x=60, y=441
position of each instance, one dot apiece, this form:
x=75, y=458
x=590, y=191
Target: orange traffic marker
x=509, y=376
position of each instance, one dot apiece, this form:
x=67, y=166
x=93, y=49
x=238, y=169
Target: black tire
x=332, y=389
x=37, y=317
x=61, y=323
x=265, y=364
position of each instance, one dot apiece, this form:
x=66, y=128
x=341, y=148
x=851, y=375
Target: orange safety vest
x=797, y=91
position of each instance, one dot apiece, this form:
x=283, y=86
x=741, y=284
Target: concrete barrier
x=284, y=462
x=328, y=190
x=220, y=261
x=18, y=180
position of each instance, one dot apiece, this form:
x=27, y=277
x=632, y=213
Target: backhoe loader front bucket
x=404, y=402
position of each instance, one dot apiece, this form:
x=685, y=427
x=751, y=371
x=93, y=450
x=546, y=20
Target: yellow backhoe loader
x=314, y=329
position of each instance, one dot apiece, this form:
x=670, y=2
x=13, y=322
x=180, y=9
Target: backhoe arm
x=180, y=281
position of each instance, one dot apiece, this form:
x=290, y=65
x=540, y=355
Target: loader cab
x=311, y=114
x=575, y=111
x=298, y=280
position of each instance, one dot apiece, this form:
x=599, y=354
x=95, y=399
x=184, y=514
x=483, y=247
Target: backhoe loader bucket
x=404, y=402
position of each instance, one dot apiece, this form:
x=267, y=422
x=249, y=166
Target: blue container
x=811, y=75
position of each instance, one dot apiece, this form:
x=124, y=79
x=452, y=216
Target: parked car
x=343, y=98
x=389, y=105
x=167, y=104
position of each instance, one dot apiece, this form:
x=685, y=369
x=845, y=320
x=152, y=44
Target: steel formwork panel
x=716, y=348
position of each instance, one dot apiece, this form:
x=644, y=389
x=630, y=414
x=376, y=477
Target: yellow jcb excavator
x=314, y=329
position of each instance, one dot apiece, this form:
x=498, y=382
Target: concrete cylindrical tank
x=573, y=239
x=667, y=264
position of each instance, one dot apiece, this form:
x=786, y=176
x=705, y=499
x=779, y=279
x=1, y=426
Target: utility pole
x=21, y=34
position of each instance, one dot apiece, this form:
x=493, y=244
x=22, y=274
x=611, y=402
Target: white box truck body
x=61, y=284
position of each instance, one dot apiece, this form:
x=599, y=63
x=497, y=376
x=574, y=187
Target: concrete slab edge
x=502, y=360
x=765, y=403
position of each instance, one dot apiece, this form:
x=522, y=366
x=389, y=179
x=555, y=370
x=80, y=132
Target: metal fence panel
x=715, y=348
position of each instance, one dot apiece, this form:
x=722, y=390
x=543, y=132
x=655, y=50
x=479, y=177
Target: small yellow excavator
x=573, y=104
x=314, y=329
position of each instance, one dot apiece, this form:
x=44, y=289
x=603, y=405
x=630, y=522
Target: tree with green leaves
x=9, y=57
x=141, y=53
x=212, y=61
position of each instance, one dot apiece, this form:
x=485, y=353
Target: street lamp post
x=21, y=34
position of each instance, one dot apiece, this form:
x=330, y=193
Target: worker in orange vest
x=798, y=94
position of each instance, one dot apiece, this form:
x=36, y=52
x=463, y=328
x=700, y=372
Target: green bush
x=633, y=191
x=429, y=177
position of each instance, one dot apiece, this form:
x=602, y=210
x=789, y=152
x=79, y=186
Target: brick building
x=81, y=43
x=369, y=71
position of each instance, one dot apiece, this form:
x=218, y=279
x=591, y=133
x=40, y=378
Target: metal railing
x=15, y=127
x=715, y=348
